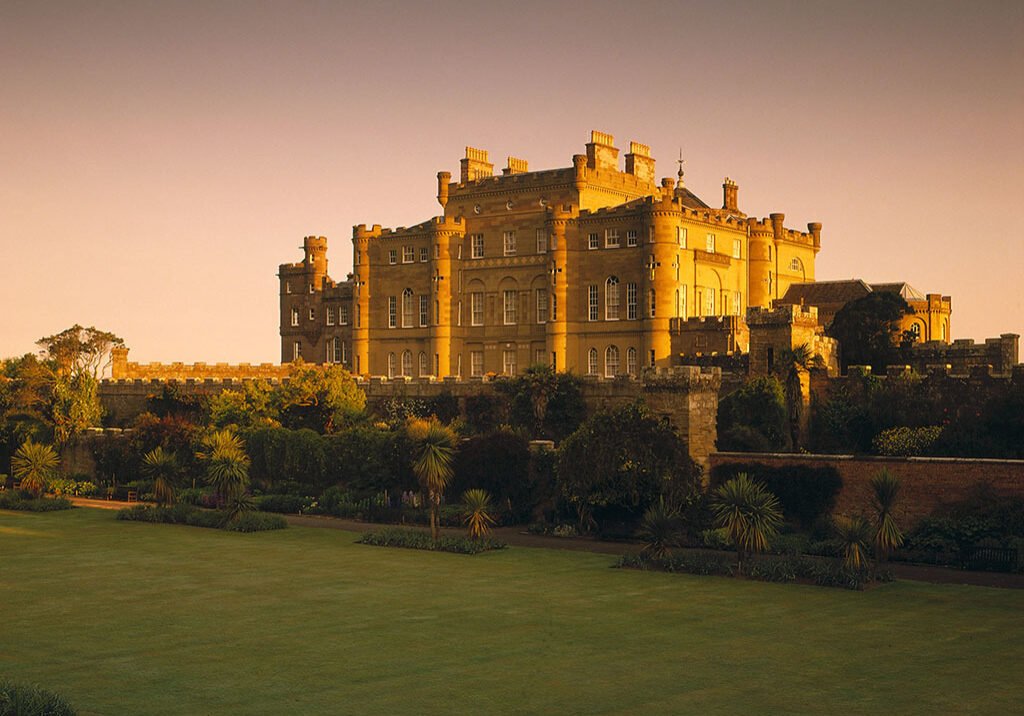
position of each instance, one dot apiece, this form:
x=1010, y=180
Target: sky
x=159, y=160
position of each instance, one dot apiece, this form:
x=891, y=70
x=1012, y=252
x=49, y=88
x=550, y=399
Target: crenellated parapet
x=123, y=369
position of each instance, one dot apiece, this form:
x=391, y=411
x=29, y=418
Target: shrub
x=21, y=500
x=417, y=539
x=759, y=405
x=256, y=522
x=906, y=442
x=21, y=700
x=175, y=515
x=284, y=504
x=498, y=462
x=806, y=493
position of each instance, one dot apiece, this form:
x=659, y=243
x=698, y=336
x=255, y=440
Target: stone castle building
x=587, y=268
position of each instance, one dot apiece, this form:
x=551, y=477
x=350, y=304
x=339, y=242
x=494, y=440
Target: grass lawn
x=133, y=618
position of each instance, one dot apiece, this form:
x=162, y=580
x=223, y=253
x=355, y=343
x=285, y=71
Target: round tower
x=315, y=259
x=557, y=223
x=659, y=278
x=443, y=232
x=760, y=258
x=361, y=297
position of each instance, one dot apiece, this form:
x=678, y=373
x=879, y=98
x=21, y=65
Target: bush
x=759, y=407
x=257, y=522
x=906, y=442
x=70, y=486
x=417, y=539
x=806, y=493
x=499, y=463
x=284, y=504
x=21, y=500
x=20, y=700
x=175, y=515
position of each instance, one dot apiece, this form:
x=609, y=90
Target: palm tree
x=227, y=471
x=477, y=514
x=749, y=513
x=885, y=488
x=660, y=528
x=855, y=535
x=239, y=505
x=793, y=364
x=163, y=468
x=433, y=465
x=35, y=465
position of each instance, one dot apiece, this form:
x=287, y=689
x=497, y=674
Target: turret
x=760, y=260
x=556, y=328
x=315, y=259
x=361, y=296
x=659, y=278
x=442, y=188
x=443, y=232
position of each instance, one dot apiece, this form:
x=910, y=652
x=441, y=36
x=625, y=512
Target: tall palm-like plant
x=227, y=471
x=477, y=514
x=435, y=445
x=885, y=489
x=35, y=464
x=660, y=529
x=162, y=467
x=855, y=535
x=793, y=364
x=749, y=513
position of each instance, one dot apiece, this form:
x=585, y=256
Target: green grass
x=134, y=618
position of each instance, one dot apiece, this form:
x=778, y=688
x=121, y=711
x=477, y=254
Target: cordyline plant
x=163, y=468
x=435, y=446
x=749, y=513
x=855, y=535
x=885, y=489
x=477, y=513
x=35, y=464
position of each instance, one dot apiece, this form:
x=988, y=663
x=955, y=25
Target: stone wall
x=122, y=369
x=927, y=482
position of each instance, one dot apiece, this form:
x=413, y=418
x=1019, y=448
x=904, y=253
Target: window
x=611, y=238
x=423, y=254
x=391, y=365
x=344, y=351
x=794, y=265
x=509, y=239
x=709, y=302
x=542, y=305
x=296, y=350
x=295, y=316
x=592, y=301
x=437, y=251
x=592, y=242
x=737, y=303
x=393, y=256
x=342, y=315
x=710, y=248
x=424, y=310
x=312, y=314
x=631, y=361
x=611, y=361
x=407, y=308
x=392, y=311
x=681, y=236
x=311, y=288
x=769, y=252
x=611, y=299
x=724, y=303
x=476, y=304
x=651, y=357
x=554, y=307
x=538, y=356
x=332, y=350
x=651, y=301
x=424, y=370
x=330, y=315
x=592, y=361
x=542, y=241
x=682, y=301
x=407, y=363
x=287, y=286
x=737, y=248
x=408, y=254
x=631, y=301
x=631, y=237
x=510, y=308
x=508, y=361
x=477, y=248
x=476, y=363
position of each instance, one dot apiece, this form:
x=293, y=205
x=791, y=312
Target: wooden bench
x=990, y=559
x=133, y=495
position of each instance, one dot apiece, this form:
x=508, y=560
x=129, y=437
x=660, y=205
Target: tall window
x=631, y=301
x=592, y=241
x=709, y=302
x=542, y=305
x=392, y=311
x=611, y=299
x=476, y=363
x=393, y=256
x=737, y=303
x=538, y=356
x=508, y=361
x=391, y=365
x=681, y=236
x=424, y=370
x=407, y=363
x=408, y=254
x=477, y=249
x=710, y=247
x=287, y=286
x=737, y=248
x=342, y=315
x=592, y=361
x=424, y=309
x=476, y=303
x=631, y=361
x=296, y=350
x=510, y=243
x=542, y=241
x=631, y=237
x=295, y=316
x=407, y=308
x=682, y=301
x=611, y=361
x=312, y=314
x=554, y=307
x=611, y=238
x=510, y=308
x=330, y=315
x=653, y=305
x=592, y=301
x=344, y=351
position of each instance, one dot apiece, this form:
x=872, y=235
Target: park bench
x=133, y=495
x=990, y=559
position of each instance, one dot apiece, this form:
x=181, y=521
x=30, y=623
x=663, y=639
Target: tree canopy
x=78, y=350
x=868, y=329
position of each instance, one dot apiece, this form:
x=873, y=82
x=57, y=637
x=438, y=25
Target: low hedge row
x=22, y=500
x=418, y=539
x=21, y=700
x=195, y=517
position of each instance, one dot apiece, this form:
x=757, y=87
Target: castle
x=587, y=268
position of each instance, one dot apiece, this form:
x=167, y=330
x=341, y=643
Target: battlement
x=782, y=315
x=124, y=370
x=708, y=334
x=963, y=355
x=773, y=226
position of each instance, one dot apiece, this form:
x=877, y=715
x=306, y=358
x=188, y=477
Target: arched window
x=611, y=361
x=407, y=363
x=391, y=365
x=423, y=365
x=407, y=309
x=631, y=361
x=592, y=361
x=611, y=299
x=915, y=331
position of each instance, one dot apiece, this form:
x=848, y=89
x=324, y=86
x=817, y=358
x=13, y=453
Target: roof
x=823, y=293
x=690, y=200
x=908, y=292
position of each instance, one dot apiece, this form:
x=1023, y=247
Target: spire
x=682, y=161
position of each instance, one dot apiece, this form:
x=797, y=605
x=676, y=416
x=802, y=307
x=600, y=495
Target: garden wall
x=927, y=482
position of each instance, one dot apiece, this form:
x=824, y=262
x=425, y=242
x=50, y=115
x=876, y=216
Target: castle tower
x=761, y=258
x=361, y=296
x=558, y=310
x=443, y=232
x=315, y=259
x=663, y=216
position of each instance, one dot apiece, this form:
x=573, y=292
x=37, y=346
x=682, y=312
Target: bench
x=990, y=559
x=133, y=495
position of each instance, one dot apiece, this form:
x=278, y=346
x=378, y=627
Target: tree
x=660, y=529
x=35, y=465
x=322, y=398
x=753, y=417
x=477, y=513
x=162, y=467
x=749, y=514
x=435, y=447
x=792, y=368
x=78, y=350
x=227, y=465
x=252, y=406
x=854, y=534
x=868, y=329
x=546, y=403
x=75, y=407
x=885, y=489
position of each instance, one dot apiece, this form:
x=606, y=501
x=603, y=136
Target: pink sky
x=158, y=160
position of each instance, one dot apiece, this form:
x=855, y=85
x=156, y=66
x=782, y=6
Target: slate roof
x=825, y=293
x=908, y=292
x=690, y=200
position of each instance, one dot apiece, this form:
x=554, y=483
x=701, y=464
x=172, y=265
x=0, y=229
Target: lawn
x=132, y=618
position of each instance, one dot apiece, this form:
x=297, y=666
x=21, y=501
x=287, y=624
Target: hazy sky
x=158, y=160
